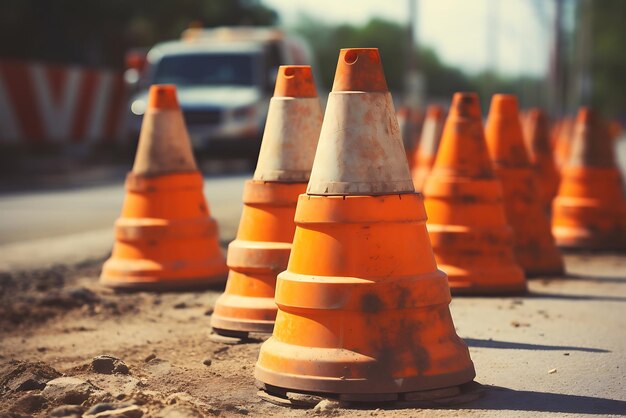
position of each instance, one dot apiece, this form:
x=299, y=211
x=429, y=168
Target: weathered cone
x=261, y=249
x=471, y=238
x=425, y=153
x=165, y=237
x=540, y=152
x=589, y=211
x=535, y=249
x=360, y=117
x=362, y=308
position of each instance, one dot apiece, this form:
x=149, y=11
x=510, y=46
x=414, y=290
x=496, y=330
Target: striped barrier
x=53, y=104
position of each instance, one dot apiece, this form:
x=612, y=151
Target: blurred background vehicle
x=224, y=76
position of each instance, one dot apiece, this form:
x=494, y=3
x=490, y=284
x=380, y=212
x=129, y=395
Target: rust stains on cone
x=164, y=145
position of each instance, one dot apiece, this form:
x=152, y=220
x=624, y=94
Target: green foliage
x=608, y=56
x=442, y=80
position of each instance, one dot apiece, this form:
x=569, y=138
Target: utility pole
x=414, y=82
x=585, y=41
x=557, y=74
x=492, y=46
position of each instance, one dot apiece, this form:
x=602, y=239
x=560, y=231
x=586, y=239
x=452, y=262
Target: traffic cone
x=562, y=142
x=410, y=121
x=266, y=229
x=534, y=245
x=425, y=153
x=590, y=210
x=362, y=308
x=165, y=237
x=537, y=138
x=471, y=238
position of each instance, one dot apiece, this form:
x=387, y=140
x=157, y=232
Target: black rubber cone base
x=437, y=398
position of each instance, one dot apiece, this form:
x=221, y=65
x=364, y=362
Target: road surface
x=63, y=226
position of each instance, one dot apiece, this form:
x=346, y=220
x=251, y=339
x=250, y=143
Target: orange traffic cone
x=468, y=229
x=263, y=242
x=165, y=237
x=410, y=123
x=534, y=245
x=425, y=153
x=537, y=138
x=563, y=140
x=362, y=308
x=590, y=210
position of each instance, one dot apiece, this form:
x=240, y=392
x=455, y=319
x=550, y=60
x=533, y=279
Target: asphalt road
x=47, y=227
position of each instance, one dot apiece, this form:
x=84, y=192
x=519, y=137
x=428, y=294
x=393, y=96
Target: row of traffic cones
x=584, y=196
x=332, y=254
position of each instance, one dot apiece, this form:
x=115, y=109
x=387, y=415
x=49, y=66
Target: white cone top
x=431, y=136
x=164, y=146
x=360, y=150
x=291, y=133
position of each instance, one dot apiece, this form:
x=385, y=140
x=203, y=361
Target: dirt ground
x=559, y=351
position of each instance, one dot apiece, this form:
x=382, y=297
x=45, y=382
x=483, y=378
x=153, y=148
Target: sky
x=519, y=30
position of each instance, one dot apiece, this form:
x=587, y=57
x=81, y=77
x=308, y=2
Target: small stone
x=68, y=390
x=207, y=361
x=106, y=364
x=68, y=411
x=103, y=406
x=566, y=354
x=208, y=312
x=130, y=411
x=150, y=357
x=551, y=371
x=242, y=410
x=178, y=411
x=180, y=305
x=20, y=376
x=30, y=403
x=326, y=406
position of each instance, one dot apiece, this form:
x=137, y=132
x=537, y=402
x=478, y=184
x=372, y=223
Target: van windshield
x=206, y=70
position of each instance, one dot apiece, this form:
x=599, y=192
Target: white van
x=224, y=77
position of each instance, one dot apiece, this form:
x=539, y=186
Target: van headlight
x=138, y=107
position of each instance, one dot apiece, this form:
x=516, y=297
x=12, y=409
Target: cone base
x=586, y=239
x=548, y=262
x=137, y=275
x=163, y=284
x=505, y=281
x=227, y=326
x=376, y=388
x=438, y=398
x=235, y=313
